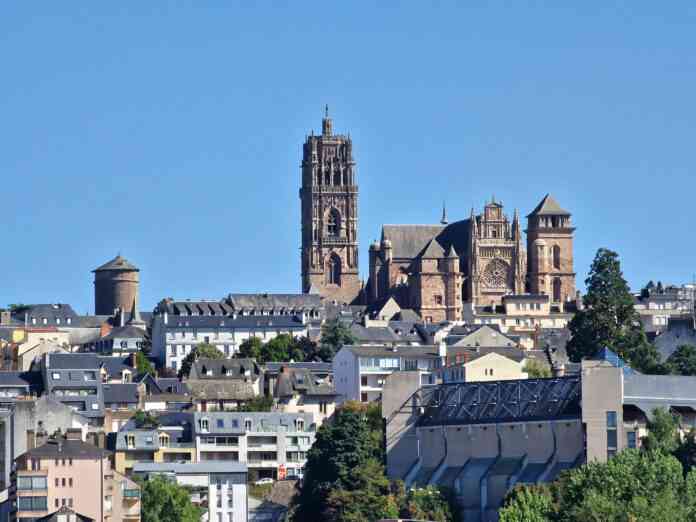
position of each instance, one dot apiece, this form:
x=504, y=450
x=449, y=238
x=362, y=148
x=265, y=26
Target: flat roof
x=191, y=468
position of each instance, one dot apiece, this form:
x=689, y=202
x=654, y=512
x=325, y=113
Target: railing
x=131, y=493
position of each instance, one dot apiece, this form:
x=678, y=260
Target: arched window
x=557, y=289
x=327, y=178
x=333, y=223
x=333, y=270
x=557, y=257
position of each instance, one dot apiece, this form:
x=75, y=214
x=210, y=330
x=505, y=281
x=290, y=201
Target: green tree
x=165, y=501
x=369, y=497
x=536, y=369
x=682, y=361
x=427, y=503
x=608, y=318
x=663, y=432
x=528, y=503
x=334, y=334
x=143, y=364
x=341, y=447
x=145, y=419
x=260, y=403
x=250, y=349
x=207, y=351
x=686, y=452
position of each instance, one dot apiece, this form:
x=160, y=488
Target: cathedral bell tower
x=329, y=201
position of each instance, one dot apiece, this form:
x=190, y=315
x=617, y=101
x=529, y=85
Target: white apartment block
x=360, y=371
x=272, y=444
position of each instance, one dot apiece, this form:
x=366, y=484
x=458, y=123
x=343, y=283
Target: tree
x=334, y=334
x=340, y=448
x=165, y=501
x=207, y=351
x=528, y=503
x=143, y=364
x=663, y=432
x=536, y=370
x=427, y=503
x=686, y=451
x=145, y=419
x=250, y=349
x=608, y=318
x=260, y=403
x=682, y=361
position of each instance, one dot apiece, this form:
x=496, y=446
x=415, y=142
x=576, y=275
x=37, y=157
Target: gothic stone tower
x=115, y=286
x=550, y=251
x=496, y=256
x=329, y=200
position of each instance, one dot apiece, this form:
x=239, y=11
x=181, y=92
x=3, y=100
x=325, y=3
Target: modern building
x=75, y=380
x=360, y=371
x=329, y=205
x=218, y=487
x=116, y=286
x=657, y=306
x=73, y=474
x=483, y=438
x=272, y=444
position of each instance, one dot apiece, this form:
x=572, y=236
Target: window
x=363, y=397
x=557, y=289
x=203, y=423
x=323, y=408
x=124, y=344
x=44, y=320
x=333, y=223
x=70, y=482
x=68, y=320
x=333, y=270
x=631, y=439
x=363, y=380
x=556, y=257
x=220, y=423
x=90, y=376
x=29, y=483
x=57, y=320
x=95, y=406
x=247, y=424
x=299, y=424
x=70, y=502
x=130, y=441
x=438, y=299
x=164, y=439
x=611, y=434
x=206, y=339
x=64, y=482
x=55, y=376
x=32, y=504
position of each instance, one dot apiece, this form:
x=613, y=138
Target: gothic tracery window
x=495, y=275
x=333, y=223
x=557, y=257
x=333, y=270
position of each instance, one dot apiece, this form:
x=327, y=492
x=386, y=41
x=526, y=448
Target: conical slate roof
x=549, y=207
x=433, y=251
x=117, y=263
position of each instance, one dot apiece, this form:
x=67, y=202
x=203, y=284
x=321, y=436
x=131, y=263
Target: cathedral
x=433, y=269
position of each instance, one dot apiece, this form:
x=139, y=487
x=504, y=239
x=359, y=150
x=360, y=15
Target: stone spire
x=443, y=220
x=326, y=123
x=516, y=230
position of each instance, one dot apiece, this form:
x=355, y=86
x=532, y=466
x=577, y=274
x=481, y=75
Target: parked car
x=263, y=481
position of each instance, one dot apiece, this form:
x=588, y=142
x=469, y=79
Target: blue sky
x=171, y=132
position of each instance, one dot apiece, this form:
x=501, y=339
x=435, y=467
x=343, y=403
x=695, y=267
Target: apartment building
x=219, y=487
x=299, y=390
x=360, y=371
x=271, y=444
x=72, y=474
x=179, y=326
x=224, y=384
x=75, y=380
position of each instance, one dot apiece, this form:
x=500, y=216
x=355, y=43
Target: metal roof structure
x=501, y=401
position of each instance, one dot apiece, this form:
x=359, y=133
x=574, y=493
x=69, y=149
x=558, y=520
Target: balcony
x=131, y=493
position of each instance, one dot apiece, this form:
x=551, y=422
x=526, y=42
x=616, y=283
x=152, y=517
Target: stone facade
x=435, y=269
x=116, y=285
x=329, y=201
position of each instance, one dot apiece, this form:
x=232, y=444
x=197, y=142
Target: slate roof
x=433, y=250
x=408, y=240
x=51, y=312
x=117, y=263
x=125, y=332
x=63, y=514
x=471, y=354
x=120, y=393
x=315, y=367
x=72, y=361
x=241, y=321
x=233, y=422
x=91, y=321
x=114, y=365
x=277, y=301
x=193, y=307
x=226, y=369
x=408, y=315
x=483, y=336
x=32, y=380
x=74, y=449
x=293, y=381
x=548, y=206
x=219, y=389
x=401, y=351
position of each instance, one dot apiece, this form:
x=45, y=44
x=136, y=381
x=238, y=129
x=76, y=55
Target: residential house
x=223, y=384
x=298, y=390
x=76, y=475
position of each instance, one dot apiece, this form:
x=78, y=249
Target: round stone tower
x=115, y=286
